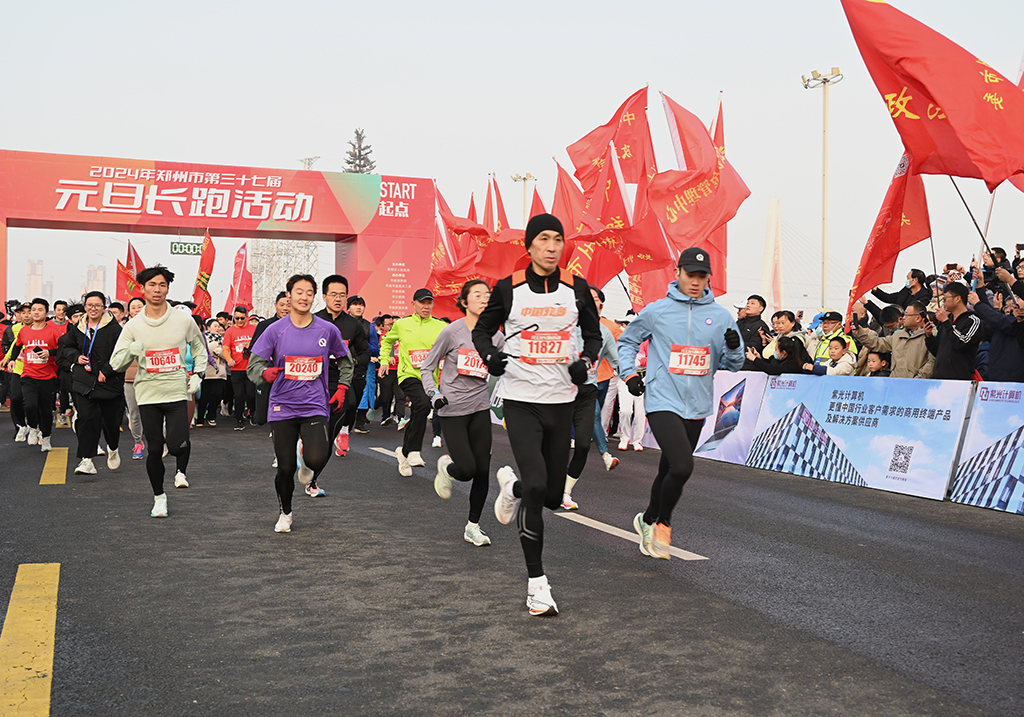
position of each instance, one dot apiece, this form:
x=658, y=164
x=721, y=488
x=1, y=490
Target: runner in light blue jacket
x=690, y=338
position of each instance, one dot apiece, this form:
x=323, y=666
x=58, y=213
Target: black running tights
x=316, y=451
x=583, y=419
x=676, y=437
x=154, y=416
x=539, y=434
x=468, y=439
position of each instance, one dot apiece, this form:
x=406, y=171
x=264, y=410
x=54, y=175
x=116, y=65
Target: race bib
x=241, y=343
x=417, y=357
x=689, y=360
x=544, y=347
x=303, y=368
x=470, y=363
x=32, y=357
x=164, y=361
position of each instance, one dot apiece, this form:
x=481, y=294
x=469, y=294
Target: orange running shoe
x=661, y=541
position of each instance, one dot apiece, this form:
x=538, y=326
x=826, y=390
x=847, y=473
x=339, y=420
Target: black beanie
x=541, y=223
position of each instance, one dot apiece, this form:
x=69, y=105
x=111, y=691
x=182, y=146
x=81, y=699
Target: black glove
x=635, y=384
x=496, y=363
x=732, y=339
x=439, y=401
x=578, y=371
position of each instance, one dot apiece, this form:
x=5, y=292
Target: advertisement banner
x=893, y=434
x=991, y=470
x=728, y=432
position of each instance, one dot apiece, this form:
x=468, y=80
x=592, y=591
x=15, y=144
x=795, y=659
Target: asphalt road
x=815, y=599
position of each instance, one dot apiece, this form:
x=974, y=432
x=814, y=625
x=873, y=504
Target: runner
x=63, y=419
x=236, y=354
x=290, y=355
x=415, y=335
x=357, y=341
x=585, y=418
x=157, y=339
x=135, y=305
x=22, y=316
x=37, y=344
x=690, y=337
x=463, y=402
x=99, y=390
x=540, y=309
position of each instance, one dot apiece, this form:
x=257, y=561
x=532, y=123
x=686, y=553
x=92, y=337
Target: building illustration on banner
x=994, y=478
x=796, y=443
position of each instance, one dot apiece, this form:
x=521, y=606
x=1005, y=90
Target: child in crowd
x=878, y=364
x=839, y=362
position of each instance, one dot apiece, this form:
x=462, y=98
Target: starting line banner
x=894, y=434
x=991, y=473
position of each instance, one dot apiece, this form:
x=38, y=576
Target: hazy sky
x=454, y=90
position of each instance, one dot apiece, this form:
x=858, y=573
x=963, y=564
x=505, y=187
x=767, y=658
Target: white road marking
x=596, y=524
x=624, y=534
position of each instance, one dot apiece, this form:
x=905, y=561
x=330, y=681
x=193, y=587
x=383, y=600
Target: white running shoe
x=404, y=469
x=22, y=435
x=274, y=464
x=623, y=445
x=159, y=506
x=113, y=459
x=610, y=461
x=402, y=423
x=179, y=480
x=638, y=447
x=85, y=468
x=474, y=535
x=44, y=444
x=284, y=524
x=540, y=602
x=568, y=503
x=436, y=443
x=644, y=531
x=506, y=504
x=100, y=451
x=416, y=460
x=443, y=481
x=33, y=436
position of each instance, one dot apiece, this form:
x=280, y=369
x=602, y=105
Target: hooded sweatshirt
x=681, y=325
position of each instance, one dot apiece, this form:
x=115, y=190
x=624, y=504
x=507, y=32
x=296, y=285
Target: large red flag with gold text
x=955, y=114
x=901, y=223
x=718, y=242
x=628, y=131
x=692, y=202
x=127, y=286
x=568, y=203
x=201, y=295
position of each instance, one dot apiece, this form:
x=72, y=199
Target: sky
x=456, y=90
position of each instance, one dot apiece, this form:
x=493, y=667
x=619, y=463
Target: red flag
x=595, y=263
x=240, y=293
x=607, y=206
x=955, y=114
x=630, y=134
x=471, y=214
x=645, y=247
x=1018, y=180
x=502, y=224
x=568, y=203
x=718, y=243
x=134, y=262
x=489, y=210
x=902, y=222
x=693, y=202
x=201, y=295
x=126, y=286
x=537, y=206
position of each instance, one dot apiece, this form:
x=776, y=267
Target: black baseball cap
x=423, y=295
x=694, y=259
x=831, y=316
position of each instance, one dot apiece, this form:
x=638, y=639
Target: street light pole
x=819, y=80
x=526, y=183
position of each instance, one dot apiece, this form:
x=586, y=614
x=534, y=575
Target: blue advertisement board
x=991, y=470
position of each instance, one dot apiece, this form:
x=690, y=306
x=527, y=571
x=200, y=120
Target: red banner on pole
x=201, y=295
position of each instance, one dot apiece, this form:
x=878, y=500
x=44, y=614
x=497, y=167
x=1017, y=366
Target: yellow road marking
x=26, y=643
x=56, y=469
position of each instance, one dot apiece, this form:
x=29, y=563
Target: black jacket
x=956, y=347
x=356, y=338
x=78, y=340
x=749, y=326
x=775, y=367
x=904, y=297
x=1005, y=356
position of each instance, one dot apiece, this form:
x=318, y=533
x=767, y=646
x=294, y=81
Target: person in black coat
x=98, y=390
x=791, y=358
x=916, y=289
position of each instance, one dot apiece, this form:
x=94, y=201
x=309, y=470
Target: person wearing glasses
x=236, y=354
x=910, y=356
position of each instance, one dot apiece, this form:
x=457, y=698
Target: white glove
x=194, y=382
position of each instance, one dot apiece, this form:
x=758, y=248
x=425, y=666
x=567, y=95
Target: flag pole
x=984, y=241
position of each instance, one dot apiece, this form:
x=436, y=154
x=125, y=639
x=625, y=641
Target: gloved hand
x=439, y=401
x=339, y=398
x=137, y=348
x=732, y=339
x=269, y=374
x=578, y=371
x=194, y=382
x=496, y=363
x=635, y=384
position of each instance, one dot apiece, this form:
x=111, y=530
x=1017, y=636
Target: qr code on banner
x=900, y=462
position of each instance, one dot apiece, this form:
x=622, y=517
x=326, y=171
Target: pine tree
x=358, y=158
